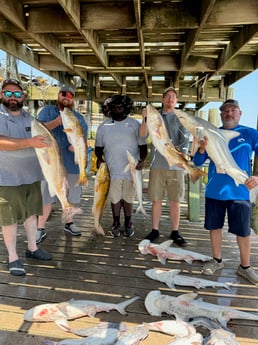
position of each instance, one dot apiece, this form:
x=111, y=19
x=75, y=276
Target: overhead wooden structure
x=136, y=47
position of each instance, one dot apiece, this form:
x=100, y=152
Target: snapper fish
x=101, y=188
x=137, y=181
x=75, y=136
x=53, y=169
x=172, y=278
x=160, y=139
x=73, y=309
x=164, y=251
x=185, y=307
x=103, y=337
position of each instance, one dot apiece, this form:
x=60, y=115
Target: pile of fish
x=160, y=139
x=137, y=180
x=164, y=251
x=75, y=136
x=101, y=188
x=53, y=169
x=173, y=277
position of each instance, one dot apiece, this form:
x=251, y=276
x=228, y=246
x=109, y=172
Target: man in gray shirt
x=20, y=176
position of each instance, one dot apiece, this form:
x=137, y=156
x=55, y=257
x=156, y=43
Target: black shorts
x=238, y=212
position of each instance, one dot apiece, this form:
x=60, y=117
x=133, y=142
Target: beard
x=13, y=105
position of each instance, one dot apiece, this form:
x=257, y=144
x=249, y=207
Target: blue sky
x=245, y=91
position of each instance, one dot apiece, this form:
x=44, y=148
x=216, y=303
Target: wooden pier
x=110, y=269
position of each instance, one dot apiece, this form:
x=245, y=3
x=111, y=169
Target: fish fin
x=189, y=297
x=120, y=307
x=229, y=134
x=162, y=259
x=165, y=244
x=62, y=323
x=127, y=168
x=196, y=173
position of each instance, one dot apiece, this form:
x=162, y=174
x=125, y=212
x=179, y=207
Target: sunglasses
x=17, y=94
x=67, y=94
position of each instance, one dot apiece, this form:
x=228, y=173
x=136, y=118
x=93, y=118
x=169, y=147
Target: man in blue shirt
x=50, y=115
x=223, y=195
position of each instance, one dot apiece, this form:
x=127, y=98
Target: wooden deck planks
x=111, y=270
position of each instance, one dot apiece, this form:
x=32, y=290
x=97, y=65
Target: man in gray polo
x=20, y=176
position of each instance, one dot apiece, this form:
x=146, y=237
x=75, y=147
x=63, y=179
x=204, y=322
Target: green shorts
x=121, y=190
x=17, y=203
x=163, y=181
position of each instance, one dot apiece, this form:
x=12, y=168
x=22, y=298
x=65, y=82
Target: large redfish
x=101, y=188
x=160, y=139
x=75, y=135
x=53, y=169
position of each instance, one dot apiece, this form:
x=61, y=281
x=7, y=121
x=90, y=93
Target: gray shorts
x=74, y=194
x=121, y=189
x=162, y=181
x=18, y=203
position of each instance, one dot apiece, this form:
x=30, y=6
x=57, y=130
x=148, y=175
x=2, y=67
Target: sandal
x=178, y=239
x=16, y=268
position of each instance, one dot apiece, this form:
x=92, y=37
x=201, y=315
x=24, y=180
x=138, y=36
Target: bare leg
x=174, y=214
x=30, y=226
x=216, y=241
x=244, y=244
x=10, y=235
x=46, y=213
x=156, y=213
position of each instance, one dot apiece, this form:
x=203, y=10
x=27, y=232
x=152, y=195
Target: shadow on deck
x=110, y=269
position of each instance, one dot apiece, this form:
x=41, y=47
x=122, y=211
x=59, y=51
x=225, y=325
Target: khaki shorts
x=163, y=181
x=17, y=203
x=121, y=189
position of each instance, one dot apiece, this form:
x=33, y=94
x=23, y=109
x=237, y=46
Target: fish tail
x=196, y=173
x=120, y=307
x=82, y=180
x=69, y=212
x=141, y=209
x=98, y=230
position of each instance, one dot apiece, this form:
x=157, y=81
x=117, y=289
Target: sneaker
x=178, y=239
x=40, y=254
x=16, y=268
x=115, y=231
x=212, y=266
x=41, y=234
x=72, y=229
x=129, y=231
x=153, y=235
x=249, y=274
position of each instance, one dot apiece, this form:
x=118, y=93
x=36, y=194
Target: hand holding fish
x=252, y=182
x=40, y=141
x=139, y=165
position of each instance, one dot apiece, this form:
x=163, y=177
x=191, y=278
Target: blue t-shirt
x=222, y=186
x=51, y=112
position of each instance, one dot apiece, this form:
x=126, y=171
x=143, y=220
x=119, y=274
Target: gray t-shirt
x=116, y=137
x=20, y=166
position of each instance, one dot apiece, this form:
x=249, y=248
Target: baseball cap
x=229, y=102
x=170, y=88
x=12, y=81
x=66, y=88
